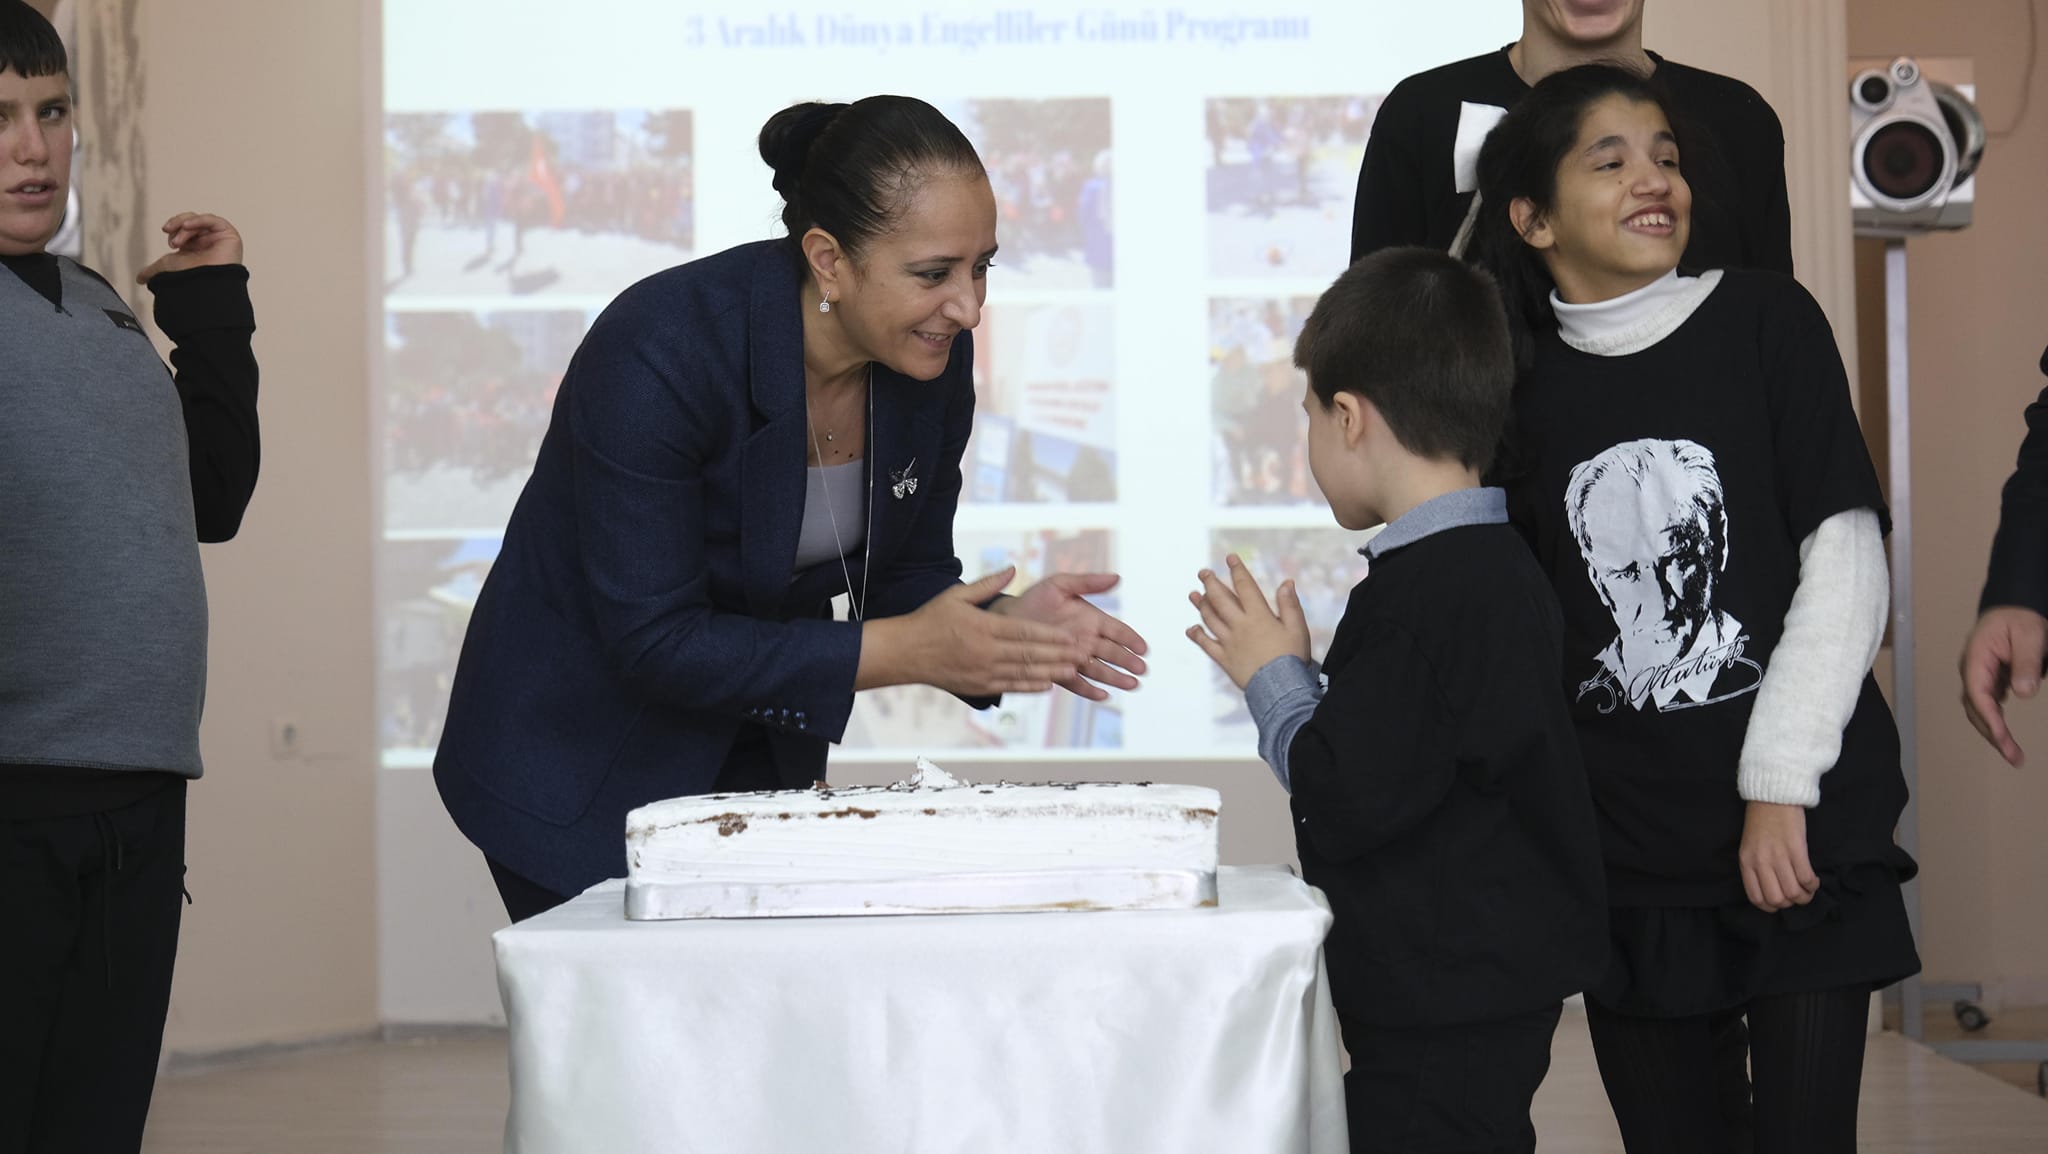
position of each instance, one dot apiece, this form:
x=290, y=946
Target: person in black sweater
x=1438, y=793
x=112, y=471
x=1689, y=471
x=1417, y=183
x=2004, y=650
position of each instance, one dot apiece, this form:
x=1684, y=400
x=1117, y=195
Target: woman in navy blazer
x=646, y=631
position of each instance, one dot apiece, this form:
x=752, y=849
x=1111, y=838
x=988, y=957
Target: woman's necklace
x=854, y=605
x=831, y=435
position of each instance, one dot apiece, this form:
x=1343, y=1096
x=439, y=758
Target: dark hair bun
x=848, y=169
x=787, y=138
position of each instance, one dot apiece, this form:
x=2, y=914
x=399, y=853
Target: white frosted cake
x=932, y=844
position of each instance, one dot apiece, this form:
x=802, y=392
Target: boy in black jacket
x=1438, y=794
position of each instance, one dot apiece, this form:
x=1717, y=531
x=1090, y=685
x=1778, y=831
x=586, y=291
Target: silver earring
x=825, y=304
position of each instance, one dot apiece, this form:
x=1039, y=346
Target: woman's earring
x=825, y=303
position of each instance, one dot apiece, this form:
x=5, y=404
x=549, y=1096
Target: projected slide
x=1174, y=188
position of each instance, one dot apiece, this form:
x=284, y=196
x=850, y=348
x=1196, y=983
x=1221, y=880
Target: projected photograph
x=1283, y=173
x=1049, y=163
x=1044, y=409
x=495, y=203
x=1324, y=564
x=467, y=398
x=915, y=719
x=1259, y=448
x=428, y=590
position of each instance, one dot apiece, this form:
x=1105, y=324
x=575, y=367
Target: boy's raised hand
x=1239, y=631
x=197, y=240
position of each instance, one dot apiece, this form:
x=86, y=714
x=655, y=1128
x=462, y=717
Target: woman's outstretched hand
x=1114, y=651
x=952, y=643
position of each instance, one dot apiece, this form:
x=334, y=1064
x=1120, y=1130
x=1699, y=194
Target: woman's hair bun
x=787, y=138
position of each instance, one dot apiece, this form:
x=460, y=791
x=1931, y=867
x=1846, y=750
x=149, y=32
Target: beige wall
x=1978, y=316
x=254, y=111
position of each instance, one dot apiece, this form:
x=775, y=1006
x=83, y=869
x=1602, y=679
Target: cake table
x=1162, y=1031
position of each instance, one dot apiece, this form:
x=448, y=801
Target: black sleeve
x=1767, y=221
x=207, y=315
x=1390, y=208
x=1823, y=464
x=1375, y=758
x=2019, y=553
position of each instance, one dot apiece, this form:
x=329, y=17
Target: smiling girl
x=1687, y=466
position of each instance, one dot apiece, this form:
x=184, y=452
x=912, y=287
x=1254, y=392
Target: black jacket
x=2019, y=554
x=1439, y=798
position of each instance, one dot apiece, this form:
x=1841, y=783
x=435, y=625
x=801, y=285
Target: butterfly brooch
x=901, y=483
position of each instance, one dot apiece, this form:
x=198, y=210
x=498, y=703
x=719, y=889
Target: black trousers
x=1669, y=1079
x=523, y=899
x=1448, y=1089
x=91, y=905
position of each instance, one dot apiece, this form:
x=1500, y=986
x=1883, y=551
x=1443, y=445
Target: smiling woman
x=659, y=621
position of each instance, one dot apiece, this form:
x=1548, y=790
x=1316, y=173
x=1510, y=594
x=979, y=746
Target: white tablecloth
x=1177, y=1031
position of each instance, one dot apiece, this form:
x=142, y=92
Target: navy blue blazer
x=643, y=608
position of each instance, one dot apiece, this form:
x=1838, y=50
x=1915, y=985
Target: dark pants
x=91, y=906
x=1448, y=1089
x=523, y=899
x=1667, y=1077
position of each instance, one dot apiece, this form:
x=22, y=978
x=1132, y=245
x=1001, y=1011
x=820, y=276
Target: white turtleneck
x=1836, y=620
x=1633, y=321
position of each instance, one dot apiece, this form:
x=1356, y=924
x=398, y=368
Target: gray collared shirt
x=1285, y=690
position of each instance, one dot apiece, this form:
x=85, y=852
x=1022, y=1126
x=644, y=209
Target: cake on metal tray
x=932, y=844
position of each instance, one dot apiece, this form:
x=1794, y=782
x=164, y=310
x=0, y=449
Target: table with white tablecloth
x=1186, y=1031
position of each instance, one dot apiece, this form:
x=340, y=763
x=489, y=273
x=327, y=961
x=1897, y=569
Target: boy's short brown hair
x=1422, y=336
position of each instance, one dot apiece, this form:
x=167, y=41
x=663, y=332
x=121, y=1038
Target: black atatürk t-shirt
x=1666, y=493
x=1731, y=148
x=1439, y=799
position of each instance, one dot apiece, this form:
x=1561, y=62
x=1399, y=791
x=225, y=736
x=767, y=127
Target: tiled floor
x=448, y=1096
x=2019, y=1025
